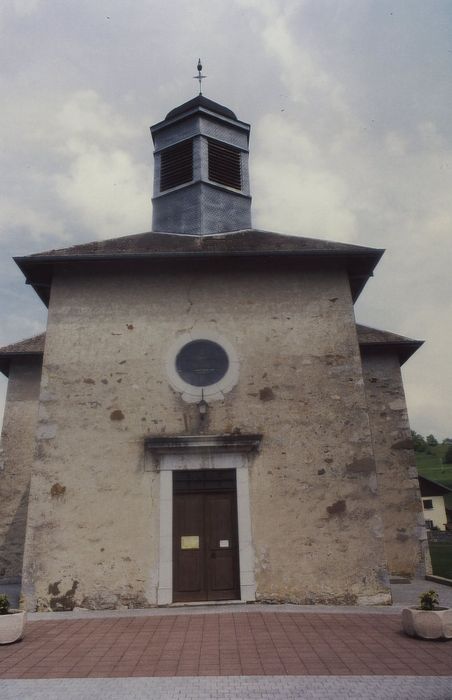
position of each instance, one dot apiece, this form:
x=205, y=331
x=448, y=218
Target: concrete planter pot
x=12, y=627
x=428, y=624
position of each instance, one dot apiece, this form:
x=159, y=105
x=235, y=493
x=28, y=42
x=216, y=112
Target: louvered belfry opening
x=201, y=183
x=176, y=165
x=225, y=165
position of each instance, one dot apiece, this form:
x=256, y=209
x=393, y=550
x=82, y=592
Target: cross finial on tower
x=200, y=77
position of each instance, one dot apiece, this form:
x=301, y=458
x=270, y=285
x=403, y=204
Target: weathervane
x=200, y=76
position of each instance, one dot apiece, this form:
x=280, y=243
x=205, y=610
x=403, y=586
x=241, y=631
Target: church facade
x=203, y=419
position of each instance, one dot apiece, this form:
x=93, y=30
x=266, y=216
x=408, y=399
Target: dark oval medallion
x=202, y=363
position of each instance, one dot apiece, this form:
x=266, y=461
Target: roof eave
x=6, y=357
x=404, y=350
x=445, y=489
x=235, y=123
x=360, y=263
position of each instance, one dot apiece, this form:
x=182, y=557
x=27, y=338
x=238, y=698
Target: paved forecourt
x=232, y=688
x=224, y=644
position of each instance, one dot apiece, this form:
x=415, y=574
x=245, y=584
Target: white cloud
x=92, y=182
x=85, y=114
x=23, y=8
x=16, y=214
x=298, y=192
x=106, y=190
x=102, y=185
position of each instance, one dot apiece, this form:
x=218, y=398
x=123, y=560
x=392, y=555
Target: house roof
x=432, y=488
x=24, y=348
x=375, y=340
x=360, y=261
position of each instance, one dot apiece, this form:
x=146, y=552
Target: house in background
x=203, y=418
x=435, y=512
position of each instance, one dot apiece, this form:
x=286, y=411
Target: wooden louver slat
x=176, y=165
x=225, y=165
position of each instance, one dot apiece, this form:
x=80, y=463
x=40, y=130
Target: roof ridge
x=385, y=336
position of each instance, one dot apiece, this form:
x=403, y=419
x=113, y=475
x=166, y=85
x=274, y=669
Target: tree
x=419, y=444
x=448, y=456
x=431, y=441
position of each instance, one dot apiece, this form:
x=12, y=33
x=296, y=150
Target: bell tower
x=201, y=178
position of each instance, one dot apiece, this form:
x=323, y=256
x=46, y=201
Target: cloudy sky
x=350, y=106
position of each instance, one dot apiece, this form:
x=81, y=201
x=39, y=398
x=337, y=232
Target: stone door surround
x=170, y=453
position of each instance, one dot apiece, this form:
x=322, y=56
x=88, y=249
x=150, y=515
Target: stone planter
x=428, y=624
x=12, y=627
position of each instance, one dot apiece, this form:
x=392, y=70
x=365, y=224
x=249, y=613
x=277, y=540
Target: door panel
x=205, y=542
x=189, y=573
x=221, y=542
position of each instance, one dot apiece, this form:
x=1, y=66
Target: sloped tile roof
x=155, y=247
x=240, y=242
x=29, y=345
x=378, y=341
x=23, y=348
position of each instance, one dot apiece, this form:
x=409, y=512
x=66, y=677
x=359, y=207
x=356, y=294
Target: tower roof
x=200, y=101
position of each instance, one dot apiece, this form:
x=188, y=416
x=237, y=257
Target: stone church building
x=203, y=418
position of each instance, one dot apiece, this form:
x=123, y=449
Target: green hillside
x=430, y=464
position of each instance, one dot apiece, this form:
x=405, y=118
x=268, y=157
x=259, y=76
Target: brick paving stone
x=245, y=643
x=274, y=688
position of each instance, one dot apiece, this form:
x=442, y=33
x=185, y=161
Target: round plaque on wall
x=202, y=363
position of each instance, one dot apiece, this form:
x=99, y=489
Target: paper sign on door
x=224, y=543
x=189, y=542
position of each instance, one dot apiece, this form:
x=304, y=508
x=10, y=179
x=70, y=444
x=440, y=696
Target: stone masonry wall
x=93, y=534
x=405, y=535
x=16, y=458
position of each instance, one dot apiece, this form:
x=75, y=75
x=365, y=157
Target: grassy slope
x=431, y=466
x=441, y=556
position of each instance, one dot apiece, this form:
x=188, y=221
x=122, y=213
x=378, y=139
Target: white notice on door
x=224, y=543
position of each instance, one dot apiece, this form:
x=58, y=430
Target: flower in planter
x=4, y=604
x=429, y=600
x=428, y=620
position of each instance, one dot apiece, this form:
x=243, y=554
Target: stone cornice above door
x=227, y=451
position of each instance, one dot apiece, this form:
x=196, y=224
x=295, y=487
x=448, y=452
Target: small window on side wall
x=427, y=503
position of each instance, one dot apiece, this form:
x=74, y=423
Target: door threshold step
x=198, y=603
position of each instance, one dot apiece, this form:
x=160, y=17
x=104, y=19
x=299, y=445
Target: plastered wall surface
x=93, y=522
x=16, y=458
x=437, y=514
x=405, y=535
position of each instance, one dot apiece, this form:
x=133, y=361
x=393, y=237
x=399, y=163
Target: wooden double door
x=205, y=542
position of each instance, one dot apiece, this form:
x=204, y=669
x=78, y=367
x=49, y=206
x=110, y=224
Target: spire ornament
x=200, y=77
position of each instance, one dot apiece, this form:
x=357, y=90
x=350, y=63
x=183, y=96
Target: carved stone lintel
x=176, y=444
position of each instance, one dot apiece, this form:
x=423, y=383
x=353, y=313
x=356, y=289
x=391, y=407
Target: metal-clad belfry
x=201, y=179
